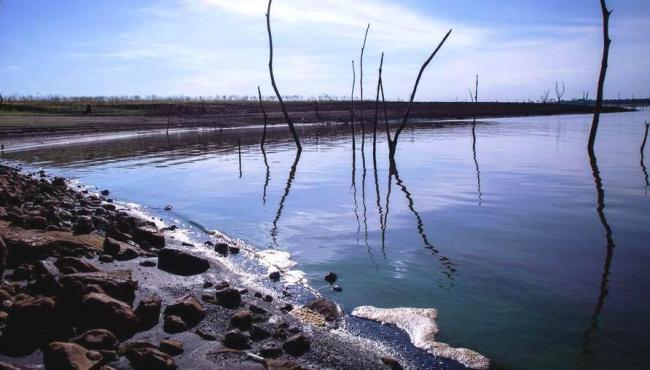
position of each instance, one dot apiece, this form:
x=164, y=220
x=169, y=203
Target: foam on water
x=420, y=324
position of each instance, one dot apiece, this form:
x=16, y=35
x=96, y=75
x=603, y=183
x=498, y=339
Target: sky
x=519, y=48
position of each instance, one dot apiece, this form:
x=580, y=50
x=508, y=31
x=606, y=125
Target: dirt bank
x=47, y=119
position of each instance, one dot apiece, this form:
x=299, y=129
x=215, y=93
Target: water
x=506, y=240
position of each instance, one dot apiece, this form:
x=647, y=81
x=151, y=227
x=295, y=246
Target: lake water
x=528, y=261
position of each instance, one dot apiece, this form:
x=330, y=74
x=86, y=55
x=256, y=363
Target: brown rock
x=391, y=363
x=148, y=236
x=296, y=345
x=188, y=308
x=150, y=359
x=118, y=284
x=97, y=339
x=76, y=263
x=242, y=319
x=102, y=311
x=148, y=311
x=32, y=317
x=228, y=297
x=69, y=356
x=174, y=324
x=324, y=307
x=236, y=339
x=121, y=251
x=29, y=245
x=171, y=347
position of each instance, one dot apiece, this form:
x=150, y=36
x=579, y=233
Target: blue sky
x=219, y=47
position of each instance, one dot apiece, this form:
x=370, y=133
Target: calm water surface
x=503, y=234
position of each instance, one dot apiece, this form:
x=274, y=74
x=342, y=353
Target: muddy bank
x=88, y=284
x=21, y=119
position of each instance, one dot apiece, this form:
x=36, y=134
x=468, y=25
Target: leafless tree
x=363, y=124
x=392, y=144
x=376, y=121
x=559, y=93
x=354, y=80
x=275, y=87
x=544, y=97
x=601, y=78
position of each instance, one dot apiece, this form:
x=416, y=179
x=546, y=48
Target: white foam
x=420, y=324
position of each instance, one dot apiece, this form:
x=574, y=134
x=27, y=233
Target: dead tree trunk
x=363, y=124
x=354, y=81
x=601, y=78
x=266, y=118
x=275, y=87
x=376, y=121
x=392, y=145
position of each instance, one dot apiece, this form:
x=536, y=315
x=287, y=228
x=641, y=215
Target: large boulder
x=103, y=311
x=297, y=345
x=31, y=321
x=69, y=356
x=148, y=236
x=181, y=263
x=187, y=308
x=118, y=284
x=30, y=245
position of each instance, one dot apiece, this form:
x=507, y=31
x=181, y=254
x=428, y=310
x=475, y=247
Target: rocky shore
x=86, y=284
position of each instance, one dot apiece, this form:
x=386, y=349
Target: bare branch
x=275, y=87
x=393, y=145
x=266, y=118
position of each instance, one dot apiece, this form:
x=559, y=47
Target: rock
x=174, y=324
x=105, y=192
x=30, y=245
x=59, y=182
x=31, y=321
x=97, y=339
x=242, y=319
x=236, y=339
x=268, y=298
x=287, y=308
x=256, y=310
x=188, y=308
x=258, y=333
x=69, y=356
x=148, y=311
x=205, y=335
x=150, y=359
x=171, y=347
x=148, y=236
x=181, y=263
x=118, y=284
x=106, y=258
x=83, y=225
x=270, y=350
x=168, y=207
x=22, y=272
x=391, y=363
x=331, y=277
x=208, y=284
x=221, y=248
x=228, y=297
x=324, y=307
x=233, y=250
x=76, y=263
x=337, y=288
x=274, y=276
x=121, y=251
x=148, y=263
x=297, y=345
x=103, y=311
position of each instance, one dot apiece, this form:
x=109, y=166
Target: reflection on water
x=588, y=336
x=513, y=274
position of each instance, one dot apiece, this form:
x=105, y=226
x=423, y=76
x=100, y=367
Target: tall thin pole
x=601, y=78
x=275, y=87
